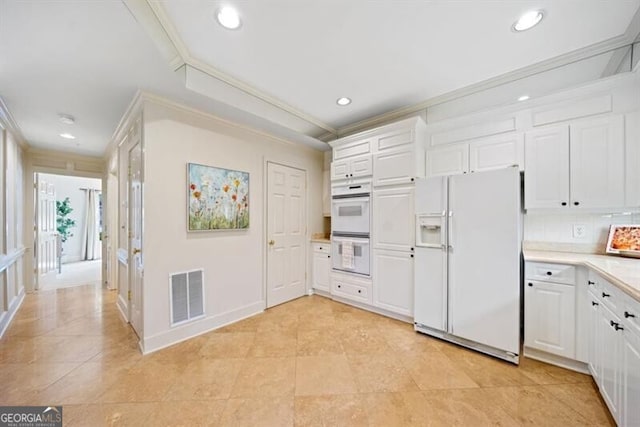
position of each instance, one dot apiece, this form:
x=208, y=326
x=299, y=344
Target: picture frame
x=624, y=240
x=217, y=198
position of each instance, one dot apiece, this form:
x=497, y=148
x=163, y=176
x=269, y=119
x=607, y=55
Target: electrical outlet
x=579, y=231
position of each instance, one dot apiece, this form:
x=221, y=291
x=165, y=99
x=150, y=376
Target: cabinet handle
x=590, y=282
x=359, y=291
x=549, y=273
x=328, y=256
x=339, y=286
x=413, y=179
x=530, y=284
x=616, y=326
x=593, y=303
x=576, y=203
x=605, y=295
x=411, y=249
x=627, y=315
x=350, y=174
x=564, y=203
x=411, y=255
x=320, y=247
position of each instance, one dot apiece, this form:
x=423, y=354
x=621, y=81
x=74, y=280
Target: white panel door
x=550, y=324
x=546, y=176
x=360, y=166
x=397, y=167
x=340, y=169
x=393, y=219
x=136, y=271
x=286, y=230
x=597, y=163
x=448, y=160
x=46, y=230
x=594, y=352
x=496, y=152
x=430, y=284
x=484, y=258
x=393, y=281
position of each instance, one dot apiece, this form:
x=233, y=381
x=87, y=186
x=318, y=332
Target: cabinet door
x=630, y=405
x=497, y=152
x=360, y=166
x=340, y=170
x=398, y=167
x=448, y=160
x=546, y=176
x=610, y=346
x=550, y=317
x=593, y=340
x=393, y=219
x=393, y=281
x=321, y=271
x=597, y=163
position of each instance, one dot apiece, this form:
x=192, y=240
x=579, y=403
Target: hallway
x=309, y=362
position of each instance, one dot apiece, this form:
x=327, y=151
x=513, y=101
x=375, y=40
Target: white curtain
x=91, y=247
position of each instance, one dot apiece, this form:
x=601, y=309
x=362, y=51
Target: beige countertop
x=621, y=272
x=320, y=240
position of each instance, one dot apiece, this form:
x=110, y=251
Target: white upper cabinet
x=580, y=165
x=448, y=160
x=547, y=174
x=395, y=167
x=351, y=168
x=496, y=152
x=479, y=155
x=597, y=162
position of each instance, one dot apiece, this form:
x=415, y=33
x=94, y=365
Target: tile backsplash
x=559, y=228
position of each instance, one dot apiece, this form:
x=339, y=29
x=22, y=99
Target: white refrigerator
x=468, y=281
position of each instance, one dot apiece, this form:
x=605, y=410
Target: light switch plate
x=579, y=231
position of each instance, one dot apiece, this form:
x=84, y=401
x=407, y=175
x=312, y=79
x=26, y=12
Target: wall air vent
x=187, y=296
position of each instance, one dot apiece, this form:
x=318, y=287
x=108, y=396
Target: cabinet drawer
x=345, y=289
x=324, y=248
x=557, y=273
x=631, y=314
x=609, y=295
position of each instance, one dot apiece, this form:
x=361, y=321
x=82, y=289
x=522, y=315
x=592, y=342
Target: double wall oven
x=350, y=224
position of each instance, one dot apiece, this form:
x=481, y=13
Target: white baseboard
x=7, y=316
x=372, y=309
x=552, y=359
x=199, y=327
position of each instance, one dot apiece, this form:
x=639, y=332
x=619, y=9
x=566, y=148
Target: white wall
x=69, y=186
x=553, y=228
x=232, y=260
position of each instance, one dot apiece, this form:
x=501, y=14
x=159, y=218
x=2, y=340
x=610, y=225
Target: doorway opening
x=68, y=227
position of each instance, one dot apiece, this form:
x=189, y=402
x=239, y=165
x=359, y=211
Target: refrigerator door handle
x=450, y=230
x=443, y=232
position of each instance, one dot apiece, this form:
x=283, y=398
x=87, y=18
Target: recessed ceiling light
x=343, y=101
x=523, y=98
x=67, y=119
x=228, y=17
x=528, y=20
x=67, y=136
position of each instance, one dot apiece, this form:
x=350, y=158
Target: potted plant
x=64, y=225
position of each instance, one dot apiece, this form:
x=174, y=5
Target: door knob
x=272, y=242
x=136, y=251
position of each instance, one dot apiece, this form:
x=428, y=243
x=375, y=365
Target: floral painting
x=218, y=198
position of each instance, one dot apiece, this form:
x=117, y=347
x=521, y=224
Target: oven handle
x=339, y=239
x=350, y=196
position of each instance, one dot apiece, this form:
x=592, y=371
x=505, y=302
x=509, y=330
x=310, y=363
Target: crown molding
x=8, y=123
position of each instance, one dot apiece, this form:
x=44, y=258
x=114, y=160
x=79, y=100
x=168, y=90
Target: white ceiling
x=88, y=58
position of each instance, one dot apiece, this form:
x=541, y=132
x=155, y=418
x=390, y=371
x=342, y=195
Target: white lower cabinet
x=352, y=287
x=630, y=379
x=610, y=345
x=321, y=266
x=393, y=281
x=614, y=350
x=550, y=317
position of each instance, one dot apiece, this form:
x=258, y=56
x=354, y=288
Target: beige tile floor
x=310, y=362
